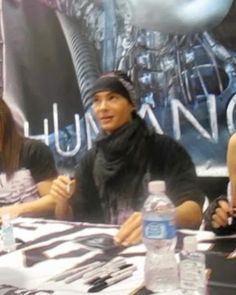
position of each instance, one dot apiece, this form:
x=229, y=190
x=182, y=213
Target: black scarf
x=120, y=167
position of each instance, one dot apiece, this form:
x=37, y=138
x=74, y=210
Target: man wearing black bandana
x=112, y=177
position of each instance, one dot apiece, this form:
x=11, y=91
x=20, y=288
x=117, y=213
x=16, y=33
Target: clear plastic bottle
x=159, y=237
x=192, y=268
x=8, y=240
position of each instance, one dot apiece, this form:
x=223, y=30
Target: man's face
x=111, y=110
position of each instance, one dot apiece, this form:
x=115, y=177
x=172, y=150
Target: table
x=51, y=247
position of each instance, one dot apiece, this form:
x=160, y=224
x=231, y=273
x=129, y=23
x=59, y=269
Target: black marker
x=104, y=284
x=109, y=274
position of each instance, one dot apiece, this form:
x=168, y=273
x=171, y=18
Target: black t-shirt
x=36, y=165
x=38, y=158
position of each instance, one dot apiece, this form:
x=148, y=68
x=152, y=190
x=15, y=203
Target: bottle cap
x=190, y=243
x=156, y=186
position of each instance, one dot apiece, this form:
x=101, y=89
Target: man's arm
x=131, y=231
x=188, y=215
x=180, y=176
x=62, y=189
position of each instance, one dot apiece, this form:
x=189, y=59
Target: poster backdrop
x=181, y=55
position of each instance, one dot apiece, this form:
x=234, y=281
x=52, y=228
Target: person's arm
x=220, y=209
x=131, y=231
x=216, y=217
x=188, y=215
x=219, y=218
x=179, y=173
x=231, y=164
x=54, y=195
x=43, y=206
x=182, y=184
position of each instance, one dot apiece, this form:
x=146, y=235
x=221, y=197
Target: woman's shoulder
x=30, y=142
x=35, y=145
x=37, y=157
x=35, y=150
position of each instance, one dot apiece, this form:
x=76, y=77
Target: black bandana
x=115, y=84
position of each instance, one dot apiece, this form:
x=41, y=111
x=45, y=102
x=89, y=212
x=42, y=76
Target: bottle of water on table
x=159, y=237
x=8, y=239
x=192, y=268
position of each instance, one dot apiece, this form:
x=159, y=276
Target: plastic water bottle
x=159, y=237
x=192, y=268
x=8, y=240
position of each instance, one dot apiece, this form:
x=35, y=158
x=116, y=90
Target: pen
x=111, y=281
x=80, y=274
x=106, y=274
x=110, y=265
x=68, y=185
x=69, y=272
x=114, y=260
x=121, y=270
x=221, y=284
x=68, y=188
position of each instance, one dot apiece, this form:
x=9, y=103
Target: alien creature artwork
x=181, y=55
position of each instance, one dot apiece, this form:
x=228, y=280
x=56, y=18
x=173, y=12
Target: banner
x=180, y=54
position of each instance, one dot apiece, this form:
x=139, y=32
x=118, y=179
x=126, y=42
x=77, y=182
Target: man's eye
x=113, y=97
x=95, y=101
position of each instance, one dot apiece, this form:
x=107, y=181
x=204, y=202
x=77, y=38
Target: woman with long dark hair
x=27, y=169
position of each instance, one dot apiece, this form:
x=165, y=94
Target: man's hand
x=62, y=187
x=130, y=232
x=61, y=190
x=221, y=214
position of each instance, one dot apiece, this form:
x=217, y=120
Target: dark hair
x=10, y=140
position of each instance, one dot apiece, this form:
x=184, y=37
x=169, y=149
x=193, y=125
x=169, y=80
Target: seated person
x=217, y=215
x=112, y=176
x=26, y=173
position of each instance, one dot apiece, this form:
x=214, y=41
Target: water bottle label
x=161, y=229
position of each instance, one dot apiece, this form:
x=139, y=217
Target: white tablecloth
x=53, y=247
